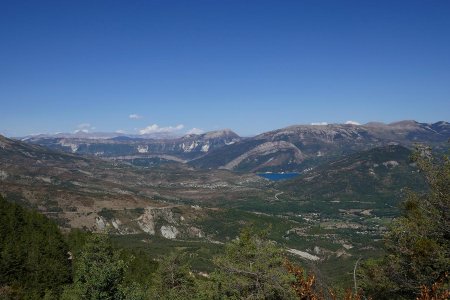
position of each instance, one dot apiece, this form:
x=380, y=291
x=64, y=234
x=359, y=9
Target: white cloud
x=157, y=129
x=135, y=116
x=195, y=131
x=319, y=123
x=352, y=123
x=120, y=131
x=84, y=127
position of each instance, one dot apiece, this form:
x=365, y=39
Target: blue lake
x=278, y=176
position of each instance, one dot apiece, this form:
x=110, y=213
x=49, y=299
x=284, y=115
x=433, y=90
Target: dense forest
x=38, y=261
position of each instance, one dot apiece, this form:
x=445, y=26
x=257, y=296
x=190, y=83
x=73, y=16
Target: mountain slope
x=294, y=148
x=320, y=143
x=186, y=147
x=86, y=191
x=373, y=179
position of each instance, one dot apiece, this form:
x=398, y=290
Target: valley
x=197, y=192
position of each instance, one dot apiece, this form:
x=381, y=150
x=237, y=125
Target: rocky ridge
x=294, y=148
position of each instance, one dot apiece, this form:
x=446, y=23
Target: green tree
x=174, y=279
x=99, y=273
x=141, y=268
x=252, y=268
x=418, y=243
x=33, y=253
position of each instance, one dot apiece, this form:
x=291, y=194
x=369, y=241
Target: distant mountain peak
x=5, y=142
x=441, y=123
x=220, y=133
x=404, y=123
x=375, y=124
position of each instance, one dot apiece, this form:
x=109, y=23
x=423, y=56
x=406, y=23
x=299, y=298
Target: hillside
x=33, y=254
x=335, y=212
x=372, y=180
x=84, y=192
x=294, y=148
x=303, y=146
x=127, y=147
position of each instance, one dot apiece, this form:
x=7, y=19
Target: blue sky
x=250, y=66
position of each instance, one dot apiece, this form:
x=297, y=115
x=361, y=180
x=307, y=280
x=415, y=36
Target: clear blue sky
x=247, y=65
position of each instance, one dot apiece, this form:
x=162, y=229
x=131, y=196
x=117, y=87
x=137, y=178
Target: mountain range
x=294, y=148
x=90, y=191
x=202, y=188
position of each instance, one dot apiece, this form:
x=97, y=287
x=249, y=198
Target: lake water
x=278, y=176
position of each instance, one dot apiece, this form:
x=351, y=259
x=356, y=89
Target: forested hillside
x=34, y=257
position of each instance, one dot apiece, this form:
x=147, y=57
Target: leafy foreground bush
x=417, y=259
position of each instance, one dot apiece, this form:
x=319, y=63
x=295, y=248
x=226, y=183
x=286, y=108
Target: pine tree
x=418, y=243
x=252, y=268
x=99, y=273
x=33, y=253
x=174, y=279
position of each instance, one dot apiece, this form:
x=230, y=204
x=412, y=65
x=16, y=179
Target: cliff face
x=183, y=148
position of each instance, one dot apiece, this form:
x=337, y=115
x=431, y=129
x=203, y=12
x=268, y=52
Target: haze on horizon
x=252, y=66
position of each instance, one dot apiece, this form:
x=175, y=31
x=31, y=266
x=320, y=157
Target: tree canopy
x=33, y=254
x=418, y=243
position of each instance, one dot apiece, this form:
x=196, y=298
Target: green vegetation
x=252, y=268
x=36, y=263
x=372, y=179
x=34, y=257
x=418, y=243
x=99, y=273
x=173, y=280
x=339, y=212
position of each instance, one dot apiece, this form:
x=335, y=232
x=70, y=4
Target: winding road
x=278, y=194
